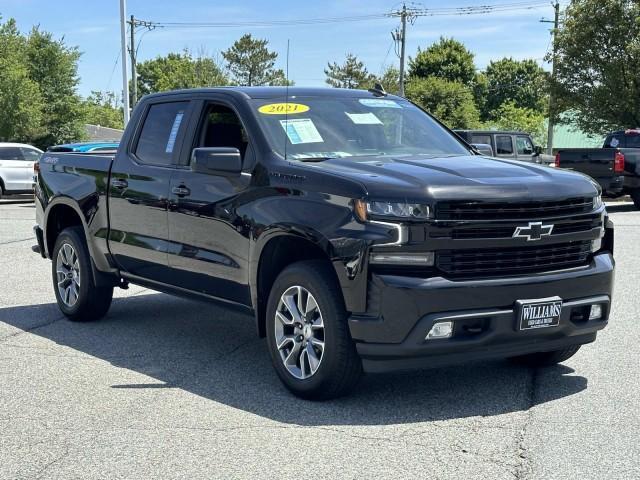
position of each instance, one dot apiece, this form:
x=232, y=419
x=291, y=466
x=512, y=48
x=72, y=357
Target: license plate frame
x=539, y=313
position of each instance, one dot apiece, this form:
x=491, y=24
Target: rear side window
x=11, y=153
x=31, y=154
x=485, y=139
x=162, y=127
x=504, y=145
x=633, y=141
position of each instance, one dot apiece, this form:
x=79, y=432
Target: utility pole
x=552, y=106
x=132, y=52
x=400, y=36
x=123, y=45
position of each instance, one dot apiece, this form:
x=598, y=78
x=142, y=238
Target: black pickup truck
x=615, y=166
x=360, y=233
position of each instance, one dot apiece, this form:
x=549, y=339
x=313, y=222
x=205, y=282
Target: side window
x=632, y=141
x=162, y=126
x=222, y=128
x=11, y=153
x=485, y=139
x=524, y=146
x=31, y=155
x=504, y=145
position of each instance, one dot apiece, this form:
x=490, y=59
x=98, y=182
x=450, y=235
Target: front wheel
x=307, y=333
x=77, y=295
x=546, y=359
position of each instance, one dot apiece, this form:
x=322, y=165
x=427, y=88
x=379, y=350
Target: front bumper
x=407, y=307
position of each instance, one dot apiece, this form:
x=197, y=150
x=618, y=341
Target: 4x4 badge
x=533, y=231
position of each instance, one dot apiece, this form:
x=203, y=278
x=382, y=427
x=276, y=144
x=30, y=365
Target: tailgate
x=598, y=163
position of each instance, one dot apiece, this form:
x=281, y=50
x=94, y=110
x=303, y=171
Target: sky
x=93, y=26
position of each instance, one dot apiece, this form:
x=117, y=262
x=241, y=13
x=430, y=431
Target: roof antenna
x=378, y=90
x=286, y=102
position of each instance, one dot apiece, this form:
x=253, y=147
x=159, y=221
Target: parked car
x=615, y=166
x=505, y=144
x=360, y=232
x=16, y=168
x=86, y=147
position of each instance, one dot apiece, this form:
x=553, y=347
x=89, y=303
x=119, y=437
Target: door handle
x=181, y=191
x=119, y=183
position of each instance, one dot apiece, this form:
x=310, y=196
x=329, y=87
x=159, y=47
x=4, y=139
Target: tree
x=251, y=63
x=54, y=67
x=598, y=64
x=450, y=102
x=448, y=59
x=179, y=70
x=522, y=82
x=102, y=108
x=351, y=74
x=20, y=100
x=510, y=117
x=390, y=80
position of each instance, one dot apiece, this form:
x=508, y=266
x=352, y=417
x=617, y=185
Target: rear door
x=139, y=190
x=16, y=167
x=524, y=148
x=209, y=236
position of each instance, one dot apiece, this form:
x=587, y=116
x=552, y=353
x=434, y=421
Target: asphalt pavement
x=171, y=388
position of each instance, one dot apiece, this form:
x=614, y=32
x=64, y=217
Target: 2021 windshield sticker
x=283, y=108
x=301, y=130
x=174, y=132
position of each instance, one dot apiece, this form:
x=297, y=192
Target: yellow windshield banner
x=283, y=108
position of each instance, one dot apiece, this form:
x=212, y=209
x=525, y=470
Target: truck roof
x=280, y=92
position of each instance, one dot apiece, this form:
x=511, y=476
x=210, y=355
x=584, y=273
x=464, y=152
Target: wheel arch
x=273, y=253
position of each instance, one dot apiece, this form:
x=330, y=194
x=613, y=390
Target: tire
x=78, y=297
x=1, y=189
x=635, y=196
x=546, y=359
x=338, y=367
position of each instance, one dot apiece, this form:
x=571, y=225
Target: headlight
x=597, y=202
x=416, y=211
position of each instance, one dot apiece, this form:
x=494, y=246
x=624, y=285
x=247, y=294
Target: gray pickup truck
x=515, y=145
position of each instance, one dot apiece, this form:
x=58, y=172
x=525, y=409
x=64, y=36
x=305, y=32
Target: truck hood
x=469, y=177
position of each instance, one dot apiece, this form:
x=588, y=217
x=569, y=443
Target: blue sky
x=93, y=26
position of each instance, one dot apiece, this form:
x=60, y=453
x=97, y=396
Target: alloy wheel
x=68, y=275
x=299, y=332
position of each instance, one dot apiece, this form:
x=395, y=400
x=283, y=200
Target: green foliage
x=102, y=108
x=351, y=74
x=447, y=59
x=598, y=64
x=450, y=102
x=511, y=117
x=179, y=70
x=522, y=82
x=38, y=82
x=251, y=63
x=390, y=80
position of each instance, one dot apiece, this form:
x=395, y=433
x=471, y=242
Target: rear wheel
x=307, y=333
x=77, y=295
x=546, y=359
x=635, y=196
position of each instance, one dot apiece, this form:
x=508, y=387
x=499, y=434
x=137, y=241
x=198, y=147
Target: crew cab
x=359, y=232
x=16, y=168
x=615, y=166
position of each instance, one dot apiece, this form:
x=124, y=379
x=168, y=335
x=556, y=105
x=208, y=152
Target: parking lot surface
x=171, y=388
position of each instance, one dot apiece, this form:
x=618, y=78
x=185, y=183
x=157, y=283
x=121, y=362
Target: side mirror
x=537, y=150
x=483, y=149
x=225, y=161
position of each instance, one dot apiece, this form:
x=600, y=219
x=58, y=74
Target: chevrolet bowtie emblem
x=533, y=231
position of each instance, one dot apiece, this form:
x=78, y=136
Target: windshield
x=329, y=127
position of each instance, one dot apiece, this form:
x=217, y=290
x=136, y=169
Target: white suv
x=16, y=167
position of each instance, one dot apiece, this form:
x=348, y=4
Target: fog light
x=419, y=259
x=596, y=312
x=596, y=245
x=440, y=330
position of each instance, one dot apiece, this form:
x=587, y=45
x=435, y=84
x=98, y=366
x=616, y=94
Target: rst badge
x=533, y=231
x=539, y=313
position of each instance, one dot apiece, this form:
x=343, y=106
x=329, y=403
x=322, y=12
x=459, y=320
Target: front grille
x=506, y=231
x=510, y=211
x=511, y=261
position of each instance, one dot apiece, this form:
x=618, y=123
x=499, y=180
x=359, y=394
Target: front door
x=139, y=192
x=209, y=237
